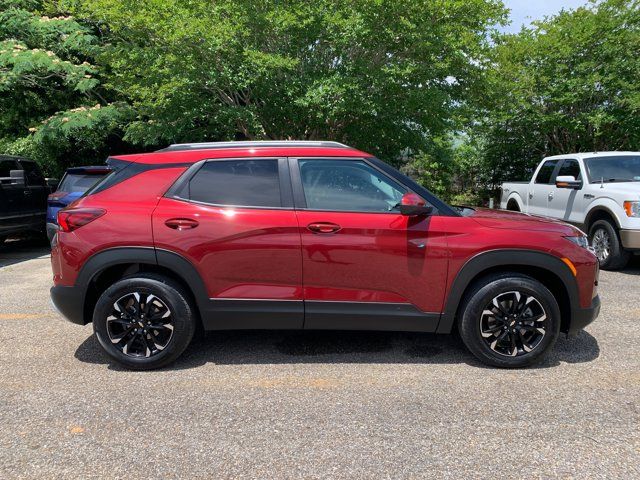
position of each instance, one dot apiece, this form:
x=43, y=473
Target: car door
x=12, y=210
x=566, y=203
x=542, y=188
x=365, y=266
x=35, y=191
x=233, y=220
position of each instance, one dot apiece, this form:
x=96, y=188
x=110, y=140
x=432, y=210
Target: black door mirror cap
x=415, y=210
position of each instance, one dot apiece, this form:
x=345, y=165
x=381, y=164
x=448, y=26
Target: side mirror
x=413, y=205
x=17, y=177
x=567, y=181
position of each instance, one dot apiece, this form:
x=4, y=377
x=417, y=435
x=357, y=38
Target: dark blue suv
x=74, y=183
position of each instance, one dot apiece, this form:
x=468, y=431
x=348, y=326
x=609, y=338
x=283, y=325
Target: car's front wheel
x=144, y=321
x=509, y=320
x=607, y=246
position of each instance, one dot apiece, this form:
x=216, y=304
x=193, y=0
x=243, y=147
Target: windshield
x=74, y=183
x=613, y=169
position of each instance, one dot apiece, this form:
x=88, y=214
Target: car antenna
x=602, y=182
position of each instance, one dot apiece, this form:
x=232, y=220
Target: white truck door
x=566, y=203
x=542, y=187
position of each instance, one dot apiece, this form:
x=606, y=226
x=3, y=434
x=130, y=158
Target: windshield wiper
x=618, y=180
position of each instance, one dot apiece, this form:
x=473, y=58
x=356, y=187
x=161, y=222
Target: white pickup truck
x=597, y=192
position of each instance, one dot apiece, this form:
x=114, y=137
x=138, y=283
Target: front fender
x=504, y=259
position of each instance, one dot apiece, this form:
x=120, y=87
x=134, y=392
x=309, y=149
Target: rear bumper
x=630, y=239
x=69, y=302
x=584, y=316
x=52, y=229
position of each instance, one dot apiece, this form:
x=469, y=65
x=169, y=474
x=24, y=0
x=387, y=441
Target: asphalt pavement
x=312, y=405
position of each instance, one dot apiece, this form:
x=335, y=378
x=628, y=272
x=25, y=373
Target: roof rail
x=252, y=144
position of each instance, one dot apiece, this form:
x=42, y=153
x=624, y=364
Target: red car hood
x=520, y=221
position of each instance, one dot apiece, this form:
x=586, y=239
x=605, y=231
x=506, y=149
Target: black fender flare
x=504, y=258
x=179, y=265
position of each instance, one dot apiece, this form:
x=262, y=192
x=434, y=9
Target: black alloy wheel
x=144, y=321
x=509, y=320
x=140, y=325
x=513, y=323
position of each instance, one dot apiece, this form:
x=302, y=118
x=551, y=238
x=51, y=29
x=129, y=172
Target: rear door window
x=242, y=183
x=546, y=171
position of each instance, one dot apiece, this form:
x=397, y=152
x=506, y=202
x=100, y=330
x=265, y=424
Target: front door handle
x=323, y=227
x=181, y=223
x=27, y=192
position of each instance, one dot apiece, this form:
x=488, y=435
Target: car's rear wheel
x=145, y=321
x=509, y=320
x=606, y=244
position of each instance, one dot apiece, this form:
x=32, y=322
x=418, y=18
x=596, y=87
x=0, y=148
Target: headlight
x=580, y=241
x=632, y=208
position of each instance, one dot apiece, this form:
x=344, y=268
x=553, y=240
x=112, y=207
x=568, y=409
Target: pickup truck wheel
x=605, y=241
x=144, y=321
x=509, y=320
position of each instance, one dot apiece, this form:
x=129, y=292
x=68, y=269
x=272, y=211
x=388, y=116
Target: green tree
x=569, y=83
x=51, y=102
x=386, y=76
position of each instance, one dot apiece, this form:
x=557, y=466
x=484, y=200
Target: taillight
x=70, y=219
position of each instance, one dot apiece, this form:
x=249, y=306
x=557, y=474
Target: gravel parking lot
x=313, y=405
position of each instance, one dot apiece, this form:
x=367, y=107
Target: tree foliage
x=428, y=85
x=382, y=75
x=49, y=87
x=567, y=84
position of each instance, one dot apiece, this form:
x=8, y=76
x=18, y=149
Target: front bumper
x=69, y=302
x=584, y=316
x=630, y=239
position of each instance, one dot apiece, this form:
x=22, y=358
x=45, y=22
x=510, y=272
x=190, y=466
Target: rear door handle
x=27, y=192
x=551, y=196
x=181, y=223
x=323, y=227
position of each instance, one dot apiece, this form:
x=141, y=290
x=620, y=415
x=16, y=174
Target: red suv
x=307, y=235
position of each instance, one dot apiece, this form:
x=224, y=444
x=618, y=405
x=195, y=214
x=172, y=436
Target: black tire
x=512, y=206
x=176, y=329
x=602, y=234
x=530, y=344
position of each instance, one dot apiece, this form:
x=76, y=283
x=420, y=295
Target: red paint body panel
x=239, y=252
x=375, y=257
x=469, y=236
x=245, y=253
x=127, y=222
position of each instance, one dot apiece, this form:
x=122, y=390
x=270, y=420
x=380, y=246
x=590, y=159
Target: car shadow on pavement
x=633, y=268
x=19, y=250
x=291, y=347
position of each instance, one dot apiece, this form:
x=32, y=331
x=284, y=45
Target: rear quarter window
x=242, y=183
